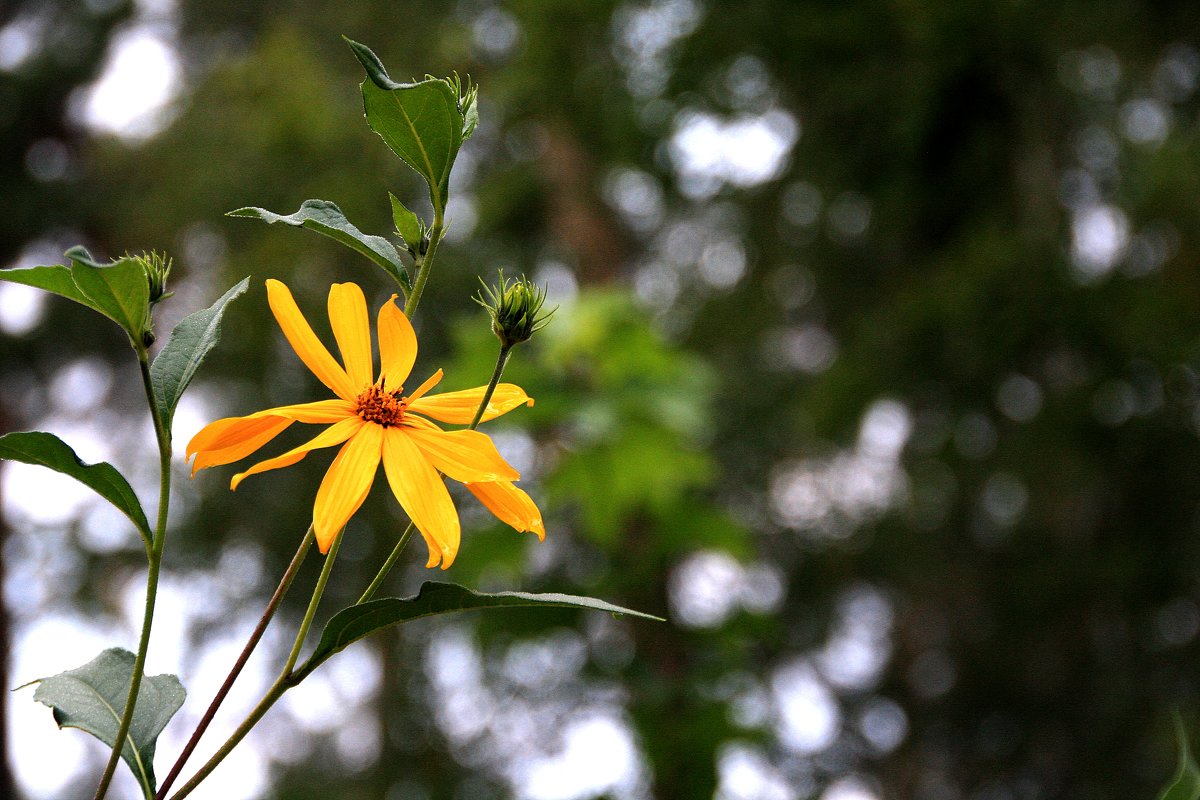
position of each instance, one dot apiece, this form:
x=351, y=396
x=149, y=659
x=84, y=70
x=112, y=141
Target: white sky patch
x=745, y=151
x=139, y=81
x=1099, y=236
x=746, y=774
x=20, y=40
x=598, y=756
x=808, y=715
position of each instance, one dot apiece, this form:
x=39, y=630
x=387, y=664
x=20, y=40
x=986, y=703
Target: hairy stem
x=435, y=237
x=155, y=557
x=281, y=590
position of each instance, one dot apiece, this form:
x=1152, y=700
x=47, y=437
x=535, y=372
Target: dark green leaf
x=408, y=225
x=421, y=122
x=47, y=450
x=54, y=278
x=92, y=698
x=1186, y=785
x=119, y=290
x=190, y=342
x=352, y=624
x=326, y=218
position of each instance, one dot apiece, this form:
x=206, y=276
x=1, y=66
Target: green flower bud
x=515, y=308
x=158, y=267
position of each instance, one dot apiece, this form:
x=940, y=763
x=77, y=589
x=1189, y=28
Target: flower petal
x=227, y=440
x=306, y=344
x=422, y=494
x=458, y=408
x=397, y=345
x=511, y=506
x=352, y=329
x=334, y=434
x=319, y=412
x=465, y=456
x=346, y=484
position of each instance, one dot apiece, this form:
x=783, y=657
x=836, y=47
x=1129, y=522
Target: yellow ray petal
x=346, y=484
x=233, y=438
x=397, y=345
x=458, y=408
x=465, y=456
x=423, y=496
x=306, y=344
x=430, y=382
x=319, y=412
x=352, y=330
x=511, y=506
x=334, y=434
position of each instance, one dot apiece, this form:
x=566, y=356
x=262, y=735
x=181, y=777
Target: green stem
x=155, y=557
x=285, y=681
x=501, y=361
x=435, y=237
x=288, y=576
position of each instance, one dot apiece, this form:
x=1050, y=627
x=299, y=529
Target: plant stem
x=285, y=681
x=501, y=361
x=435, y=237
x=163, y=437
x=284, y=583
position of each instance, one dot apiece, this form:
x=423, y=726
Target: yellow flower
x=375, y=420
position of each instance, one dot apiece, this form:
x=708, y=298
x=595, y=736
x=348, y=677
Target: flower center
x=380, y=406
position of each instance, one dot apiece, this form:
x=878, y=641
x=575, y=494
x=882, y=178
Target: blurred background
x=875, y=370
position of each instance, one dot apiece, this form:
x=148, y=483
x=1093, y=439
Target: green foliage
x=326, y=218
x=92, y=698
x=357, y=622
x=1186, y=785
x=408, y=225
x=47, y=450
x=181, y=356
x=424, y=123
x=119, y=291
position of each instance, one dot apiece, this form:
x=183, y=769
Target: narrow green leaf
x=356, y=622
x=119, y=290
x=47, y=450
x=421, y=122
x=408, y=225
x=184, y=351
x=54, y=278
x=1186, y=785
x=92, y=698
x=326, y=218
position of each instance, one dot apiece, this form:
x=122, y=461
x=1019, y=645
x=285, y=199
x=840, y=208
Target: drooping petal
x=352, y=330
x=397, y=345
x=334, y=434
x=306, y=344
x=227, y=440
x=346, y=484
x=465, y=456
x=458, y=408
x=318, y=412
x=511, y=506
x=423, y=496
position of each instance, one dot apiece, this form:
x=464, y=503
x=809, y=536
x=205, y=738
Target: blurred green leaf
x=326, y=218
x=92, y=698
x=119, y=290
x=47, y=450
x=1186, y=785
x=421, y=122
x=408, y=225
x=356, y=622
x=190, y=342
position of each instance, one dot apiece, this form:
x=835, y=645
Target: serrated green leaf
x=1186, y=785
x=47, y=450
x=190, y=342
x=326, y=218
x=356, y=622
x=421, y=122
x=92, y=698
x=119, y=291
x=54, y=278
x=408, y=224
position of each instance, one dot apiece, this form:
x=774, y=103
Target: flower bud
x=158, y=267
x=515, y=309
